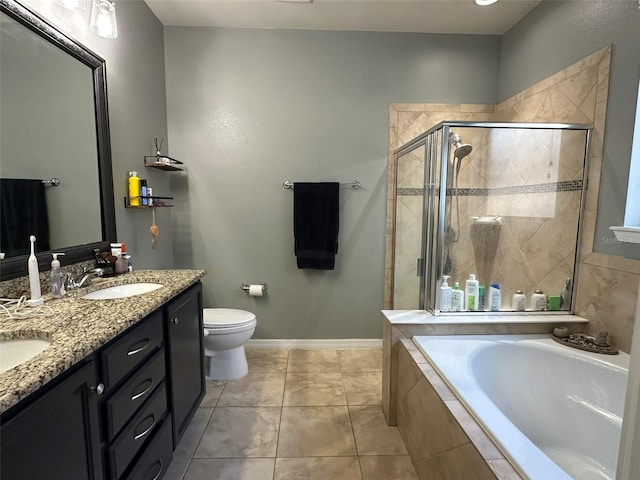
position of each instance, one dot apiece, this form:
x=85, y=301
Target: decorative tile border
x=566, y=186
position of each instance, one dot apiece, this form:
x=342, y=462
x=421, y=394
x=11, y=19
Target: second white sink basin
x=15, y=352
x=122, y=291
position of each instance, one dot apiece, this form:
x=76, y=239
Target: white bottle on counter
x=471, y=293
x=457, y=298
x=445, y=295
x=519, y=301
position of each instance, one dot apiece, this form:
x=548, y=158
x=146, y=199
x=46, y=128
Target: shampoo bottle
x=445, y=295
x=134, y=189
x=495, y=297
x=538, y=300
x=482, y=298
x=57, y=277
x=34, y=276
x=471, y=291
x=457, y=298
x=518, y=302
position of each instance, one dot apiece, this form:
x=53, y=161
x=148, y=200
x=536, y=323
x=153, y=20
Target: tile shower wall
x=607, y=284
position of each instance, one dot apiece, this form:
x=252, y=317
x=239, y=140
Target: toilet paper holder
x=245, y=287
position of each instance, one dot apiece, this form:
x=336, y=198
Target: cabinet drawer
x=154, y=462
x=137, y=432
x=130, y=396
x=122, y=356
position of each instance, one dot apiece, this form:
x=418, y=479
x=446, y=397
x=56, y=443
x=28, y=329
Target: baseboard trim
x=315, y=343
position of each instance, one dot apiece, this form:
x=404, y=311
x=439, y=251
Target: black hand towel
x=315, y=224
x=23, y=212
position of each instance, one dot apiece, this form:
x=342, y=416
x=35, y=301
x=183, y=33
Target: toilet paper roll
x=255, y=290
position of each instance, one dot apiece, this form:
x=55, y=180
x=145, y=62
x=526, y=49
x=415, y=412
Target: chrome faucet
x=83, y=279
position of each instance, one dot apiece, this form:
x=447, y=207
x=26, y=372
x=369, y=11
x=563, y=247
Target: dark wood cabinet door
x=185, y=363
x=55, y=437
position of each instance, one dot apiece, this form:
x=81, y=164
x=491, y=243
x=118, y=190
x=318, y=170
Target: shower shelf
x=162, y=162
x=155, y=199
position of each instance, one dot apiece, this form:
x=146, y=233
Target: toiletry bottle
x=57, y=277
x=457, y=298
x=482, y=295
x=519, y=301
x=150, y=195
x=495, y=297
x=445, y=295
x=34, y=276
x=134, y=189
x=538, y=301
x=143, y=192
x=471, y=293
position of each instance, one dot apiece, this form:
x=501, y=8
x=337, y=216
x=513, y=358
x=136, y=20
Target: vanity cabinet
x=185, y=361
x=120, y=412
x=56, y=435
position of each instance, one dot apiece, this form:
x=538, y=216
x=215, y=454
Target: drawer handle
x=153, y=422
x=159, y=462
x=98, y=389
x=136, y=396
x=135, y=350
x=175, y=321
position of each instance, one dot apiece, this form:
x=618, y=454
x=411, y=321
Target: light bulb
x=103, y=19
x=484, y=3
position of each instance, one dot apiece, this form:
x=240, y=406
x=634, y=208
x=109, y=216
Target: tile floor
x=299, y=414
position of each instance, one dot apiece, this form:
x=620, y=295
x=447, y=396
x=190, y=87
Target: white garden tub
x=555, y=412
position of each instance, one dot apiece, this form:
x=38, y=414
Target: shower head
x=462, y=149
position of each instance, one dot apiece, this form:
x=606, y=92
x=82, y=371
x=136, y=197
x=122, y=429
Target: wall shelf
x=627, y=234
x=162, y=162
x=158, y=202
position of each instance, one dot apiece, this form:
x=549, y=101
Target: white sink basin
x=122, y=291
x=14, y=352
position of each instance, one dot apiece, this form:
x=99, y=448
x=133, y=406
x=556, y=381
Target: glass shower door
x=408, y=279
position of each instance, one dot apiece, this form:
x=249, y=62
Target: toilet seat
x=223, y=318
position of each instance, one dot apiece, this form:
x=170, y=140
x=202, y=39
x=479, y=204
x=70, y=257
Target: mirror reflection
x=48, y=119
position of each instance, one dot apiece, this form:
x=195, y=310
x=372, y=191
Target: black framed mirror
x=84, y=214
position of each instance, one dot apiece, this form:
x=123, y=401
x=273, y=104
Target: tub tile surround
x=78, y=327
x=577, y=94
x=400, y=325
x=443, y=439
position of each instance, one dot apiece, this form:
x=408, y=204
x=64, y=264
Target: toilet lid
x=226, y=317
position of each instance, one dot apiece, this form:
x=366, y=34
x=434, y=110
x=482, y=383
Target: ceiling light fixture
x=77, y=5
x=103, y=19
x=484, y=3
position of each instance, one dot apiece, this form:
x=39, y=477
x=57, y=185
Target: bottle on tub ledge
x=457, y=298
x=519, y=301
x=471, y=290
x=538, y=301
x=445, y=295
x=495, y=297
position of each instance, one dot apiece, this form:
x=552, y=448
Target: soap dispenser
x=445, y=295
x=57, y=277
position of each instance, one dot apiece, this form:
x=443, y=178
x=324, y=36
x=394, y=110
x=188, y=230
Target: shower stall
x=501, y=201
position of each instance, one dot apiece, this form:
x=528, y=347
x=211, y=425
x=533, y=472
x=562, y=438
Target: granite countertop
x=78, y=327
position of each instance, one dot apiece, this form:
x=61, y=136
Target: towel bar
x=355, y=184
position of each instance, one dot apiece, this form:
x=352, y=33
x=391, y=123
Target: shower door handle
x=419, y=267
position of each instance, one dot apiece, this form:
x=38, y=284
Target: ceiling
x=425, y=16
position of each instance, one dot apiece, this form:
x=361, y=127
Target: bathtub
x=554, y=412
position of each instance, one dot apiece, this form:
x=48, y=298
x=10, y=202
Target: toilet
x=226, y=330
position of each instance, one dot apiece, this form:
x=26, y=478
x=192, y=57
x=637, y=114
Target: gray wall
x=137, y=113
x=559, y=33
x=249, y=109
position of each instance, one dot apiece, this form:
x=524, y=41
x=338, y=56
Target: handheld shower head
x=462, y=149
